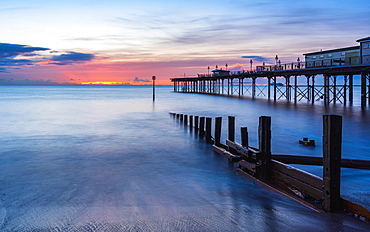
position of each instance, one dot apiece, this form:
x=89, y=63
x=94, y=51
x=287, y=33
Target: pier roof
x=334, y=50
x=363, y=39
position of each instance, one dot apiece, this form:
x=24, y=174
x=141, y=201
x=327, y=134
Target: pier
x=245, y=83
x=333, y=69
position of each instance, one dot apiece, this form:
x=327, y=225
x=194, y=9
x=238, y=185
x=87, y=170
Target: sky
x=111, y=41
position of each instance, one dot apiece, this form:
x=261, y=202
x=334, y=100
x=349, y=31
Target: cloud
x=257, y=58
x=12, y=50
x=72, y=58
x=136, y=79
x=12, y=81
x=9, y=52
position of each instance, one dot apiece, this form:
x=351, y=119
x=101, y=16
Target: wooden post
x=186, y=119
x=231, y=122
x=218, y=124
x=264, y=142
x=201, y=126
x=196, y=123
x=332, y=152
x=208, y=130
x=177, y=116
x=191, y=121
x=181, y=117
x=244, y=136
x=153, y=78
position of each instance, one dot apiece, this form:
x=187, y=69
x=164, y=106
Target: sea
x=109, y=158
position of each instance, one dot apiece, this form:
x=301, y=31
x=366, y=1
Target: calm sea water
x=108, y=158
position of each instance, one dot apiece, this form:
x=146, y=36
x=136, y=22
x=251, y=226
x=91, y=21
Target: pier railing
x=312, y=63
x=272, y=170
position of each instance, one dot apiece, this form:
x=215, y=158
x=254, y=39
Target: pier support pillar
x=275, y=88
x=313, y=90
x=228, y=86
x=253, y=87
x=287, y=87
x=334, y=89
x=345, y=87
x=363, y=89
x=326, y=89
x=268, y=88
x=295, y=88
x=350, y=85
x=239, y=81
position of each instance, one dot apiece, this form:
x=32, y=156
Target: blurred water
x=108, y=158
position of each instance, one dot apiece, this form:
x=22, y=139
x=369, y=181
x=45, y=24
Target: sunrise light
x=104, y=83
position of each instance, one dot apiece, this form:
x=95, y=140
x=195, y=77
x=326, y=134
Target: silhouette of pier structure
x=333, y=69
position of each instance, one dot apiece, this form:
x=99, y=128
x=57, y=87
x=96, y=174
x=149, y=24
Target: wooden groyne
x=273, y=171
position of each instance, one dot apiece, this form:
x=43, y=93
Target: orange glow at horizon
x=166, y=82
x=103, y=83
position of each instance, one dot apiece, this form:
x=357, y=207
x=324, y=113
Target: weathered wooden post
x=153, y=78
x=191, y=121
x=181, y=117
x=244, y=136
x=264, y=142
x=332, y=152
x=231, y=123
x=196, y=123
x=201, y=126
x=177, y=116
x=186, y=119
x=218, y=124
x=208, y=130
